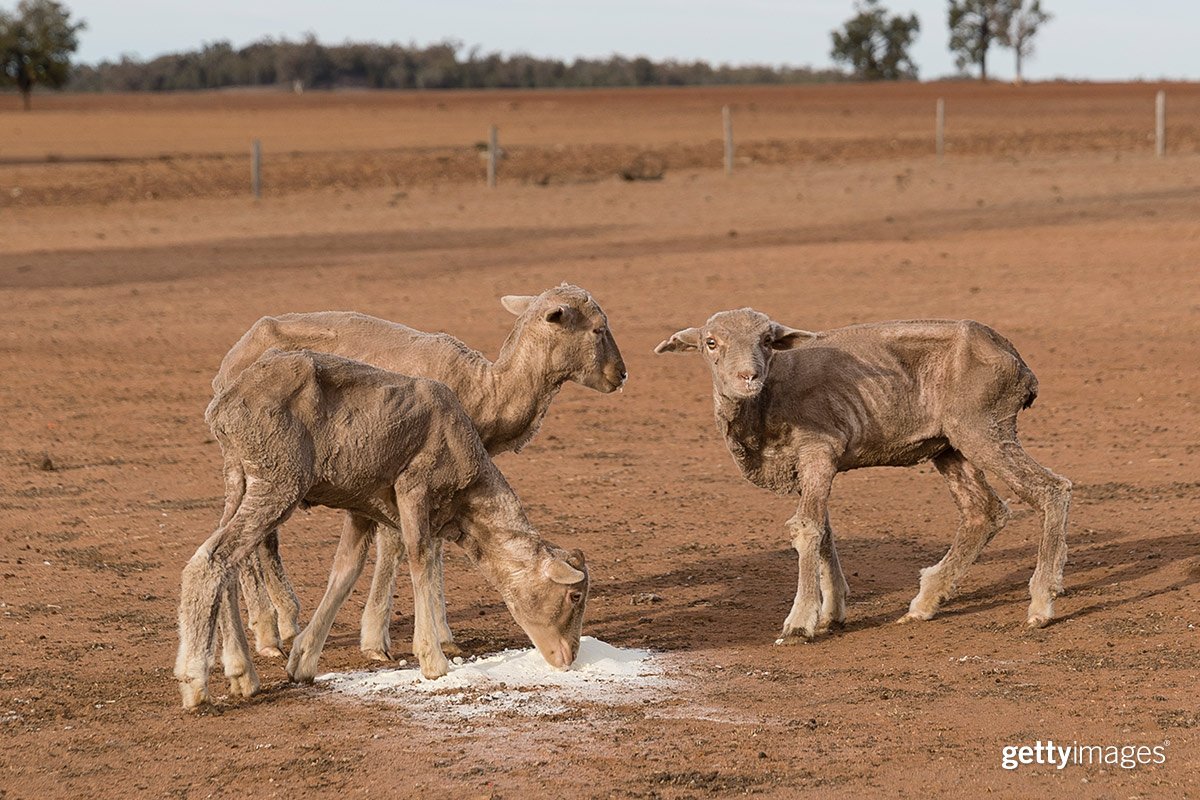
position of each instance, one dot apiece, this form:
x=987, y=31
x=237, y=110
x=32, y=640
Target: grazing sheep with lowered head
x=303, y=428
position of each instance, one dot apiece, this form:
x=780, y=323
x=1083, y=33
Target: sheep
x=299, y=428
x=796, y=408
x=560, y=335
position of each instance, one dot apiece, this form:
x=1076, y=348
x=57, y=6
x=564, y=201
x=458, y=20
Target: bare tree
x=36, y=43
x=974, y=25
x=1025, y=21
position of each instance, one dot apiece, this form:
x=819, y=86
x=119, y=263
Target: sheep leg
x=834, y=589
x=271, y=602
x=445, y=635
x=235, y=651
x=375, y=639
x=982, y=514
x=279, y=588
x=262, y=612
x=423, y=561
x=198, y=607
x=258, y=604
x=807, y=527
x=205, y=577
x=347, y=566
x=1046, y=492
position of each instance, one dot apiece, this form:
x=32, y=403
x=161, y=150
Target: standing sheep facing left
x=303, y=428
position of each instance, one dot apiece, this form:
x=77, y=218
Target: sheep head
x=570, y=330
x=738, y=346
x=547, y=601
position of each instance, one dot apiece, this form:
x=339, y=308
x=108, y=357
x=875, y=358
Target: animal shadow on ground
x=1095, y=566
x=741, y=598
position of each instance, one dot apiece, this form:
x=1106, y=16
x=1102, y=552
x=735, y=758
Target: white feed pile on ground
x=517, y=681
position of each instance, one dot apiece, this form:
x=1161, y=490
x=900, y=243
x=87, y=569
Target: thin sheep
x=560, y=335
x=303, y=428
x=882, y=394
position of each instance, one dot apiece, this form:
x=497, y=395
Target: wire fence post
x=940, y=136
x=727, y=120
x=1160, y=123
x=256, y=168
x=491, y=157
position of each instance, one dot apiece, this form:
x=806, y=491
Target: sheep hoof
x=300, y=677
x=194, y=697
x=799, y=634
x=790, y=639
x=270, y=652
x=433, y=673
x=244, y=685
x=1037, y=621
x=920, y=612
x=377, y=654
x=451, y=650
x=433, y=667
x=298, y=671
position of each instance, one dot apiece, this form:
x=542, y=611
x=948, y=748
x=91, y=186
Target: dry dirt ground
x=101, y=148
x=115, y=314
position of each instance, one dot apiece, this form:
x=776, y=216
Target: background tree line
x=38, y=38
x=444, y=65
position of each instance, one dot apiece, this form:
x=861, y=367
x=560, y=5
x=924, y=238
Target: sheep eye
x=575, y=596
x=710, y=343
x=600, y=331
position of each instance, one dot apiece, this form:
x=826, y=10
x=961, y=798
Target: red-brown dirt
x=105, y=148
x=116, y=313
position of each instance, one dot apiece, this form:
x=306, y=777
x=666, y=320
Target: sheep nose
x=747, y=375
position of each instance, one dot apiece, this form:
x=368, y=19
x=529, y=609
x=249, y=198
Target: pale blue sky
x=1088, y=39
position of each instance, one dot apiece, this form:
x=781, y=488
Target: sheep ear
x=687, y=339
x=560, y=571
x=785, y=338
x=517, y=303
x=575, y=558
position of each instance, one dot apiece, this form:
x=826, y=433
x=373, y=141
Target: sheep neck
x=744, y=424
x=523, y=381
x=740, y=421
x=496, y=534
